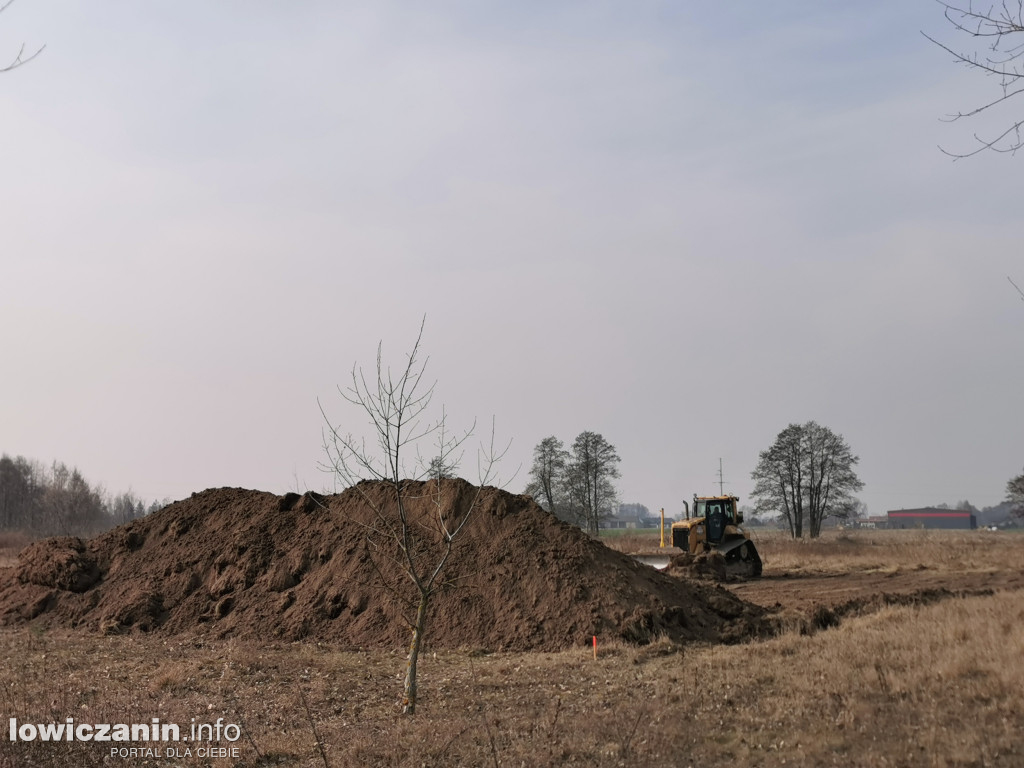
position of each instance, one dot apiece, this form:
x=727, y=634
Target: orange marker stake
x=595, y=647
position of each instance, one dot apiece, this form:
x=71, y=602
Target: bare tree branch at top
x=997, y=33
x=21, y=58
x=1017, y=287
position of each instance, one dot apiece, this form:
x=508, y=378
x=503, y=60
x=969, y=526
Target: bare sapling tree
x=21, y=58
x=997, y=51
x=413, y=527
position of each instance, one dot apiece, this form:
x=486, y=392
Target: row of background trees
x=56, y=500
x=807, y=475
x=576, y=485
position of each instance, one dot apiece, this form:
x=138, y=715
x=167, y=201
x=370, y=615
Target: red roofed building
x=931, y=517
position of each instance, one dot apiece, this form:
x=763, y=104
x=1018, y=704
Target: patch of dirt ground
x=808, y=593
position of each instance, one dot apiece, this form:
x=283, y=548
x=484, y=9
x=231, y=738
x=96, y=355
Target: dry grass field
x=880, y=550
x=934, y=678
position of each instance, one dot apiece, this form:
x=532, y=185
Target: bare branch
x=1001, y=30
x=1017, y=287
x=21, y=59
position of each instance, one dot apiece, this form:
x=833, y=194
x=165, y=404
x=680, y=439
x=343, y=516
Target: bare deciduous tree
x=19, y=493
x=997, y=34
x=592, y=468
x=547, y=475
x=70, y=506
x=575, y=486
x=1015, y=494
x=418, y=546
x=125, y=507
x=807, y=474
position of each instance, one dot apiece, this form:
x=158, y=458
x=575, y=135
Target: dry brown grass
x=866, y=550
x=634, y=541
x=941, y=685
x=918, y=685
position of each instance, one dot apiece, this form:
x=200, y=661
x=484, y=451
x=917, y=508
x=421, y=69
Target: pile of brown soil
x=709, y=566
x=248, y=564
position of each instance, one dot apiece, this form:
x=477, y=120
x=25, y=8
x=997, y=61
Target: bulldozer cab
x=717, y=513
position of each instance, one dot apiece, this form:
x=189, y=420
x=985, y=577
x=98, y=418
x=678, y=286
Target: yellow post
x=663, y=527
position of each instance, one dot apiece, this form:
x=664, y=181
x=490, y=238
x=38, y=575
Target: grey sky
x=684, y=226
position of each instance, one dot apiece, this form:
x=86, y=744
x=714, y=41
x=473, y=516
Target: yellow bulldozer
x=715, y=527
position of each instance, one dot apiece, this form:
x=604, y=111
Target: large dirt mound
x=240, y=563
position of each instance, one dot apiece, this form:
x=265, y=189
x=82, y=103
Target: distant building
x=632, y=516
x=932, y=517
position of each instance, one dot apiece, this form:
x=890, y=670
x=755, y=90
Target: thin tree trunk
x=409, y=701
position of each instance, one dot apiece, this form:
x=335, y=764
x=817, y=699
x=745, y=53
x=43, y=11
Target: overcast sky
x=681, y=225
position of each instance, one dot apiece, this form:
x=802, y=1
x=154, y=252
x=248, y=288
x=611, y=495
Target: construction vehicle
x=715, y=527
